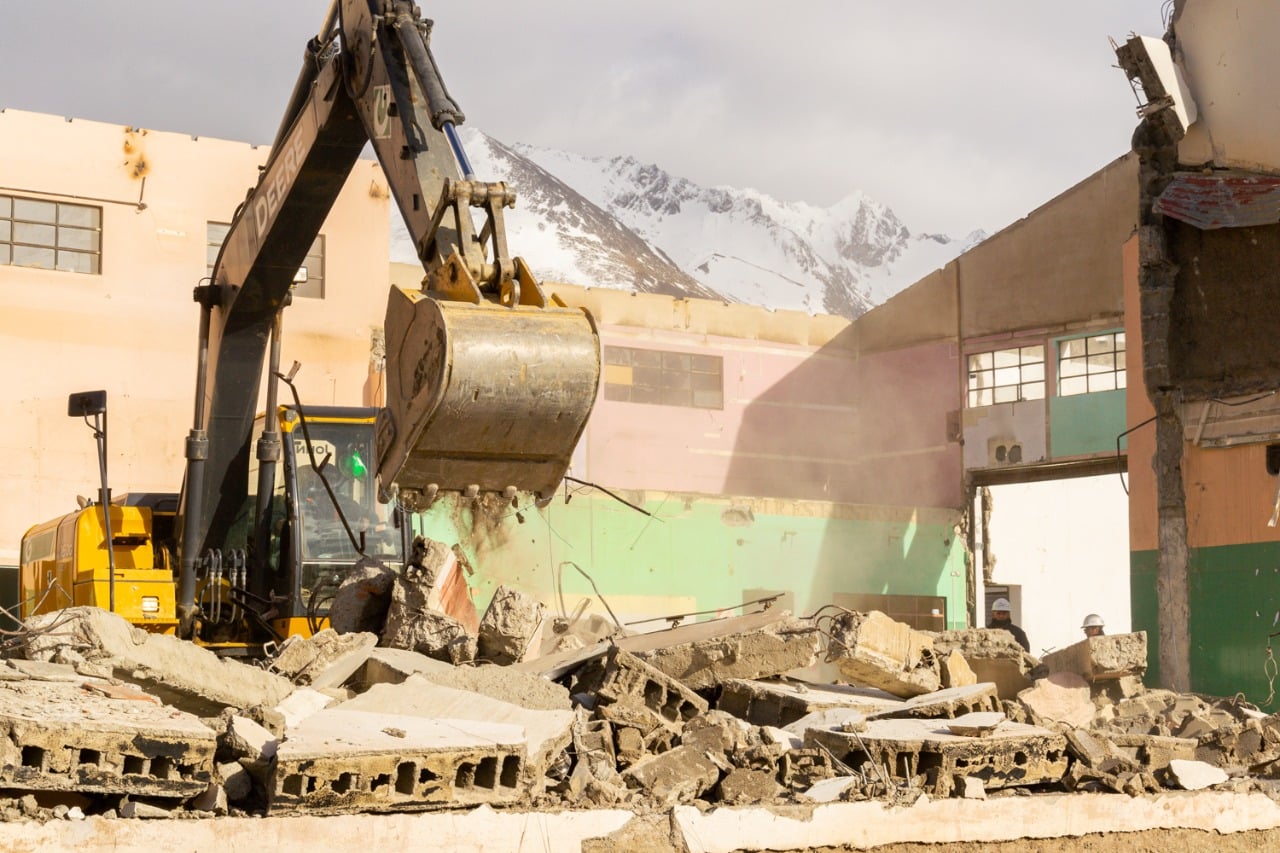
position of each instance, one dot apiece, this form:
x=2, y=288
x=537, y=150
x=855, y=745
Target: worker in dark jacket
x=1000, y=619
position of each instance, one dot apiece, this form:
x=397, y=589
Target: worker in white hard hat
x=1093, y=625
x=1000, y=618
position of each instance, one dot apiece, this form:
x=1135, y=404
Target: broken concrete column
x=412, y=625
x=951, y=702
x=511, y=626
x=874, y=650
x=437, y=571
x=177, y=672
x=1102, y=658
x=706, y=654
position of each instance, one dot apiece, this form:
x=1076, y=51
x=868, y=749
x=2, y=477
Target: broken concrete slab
x=57, y=736
x=302, y=703
x=342, y=760
x=875, y=650
x=506, y=684
x=325, y=659
x=976, y=724
x=831, y=790
x=924, y=752
x=412, y=626
x=779, y=703
x=951, y=702
x=511, y=626
x=1195, y=775
x=1153, y=752
x=1061, y=697
x=392, y=666
x=248, y=741
x=177, y=672
x=1102, y=658
x=546, y=733
x=706, y=654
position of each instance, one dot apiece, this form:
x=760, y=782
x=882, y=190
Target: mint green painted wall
x=702, y=549
x=1235, y=603
x=1086, y=423
x=1143, y=607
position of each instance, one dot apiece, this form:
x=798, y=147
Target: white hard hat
x=1093, y=620
x=1001, y=604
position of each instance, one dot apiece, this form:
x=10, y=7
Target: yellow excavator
x=489, y=384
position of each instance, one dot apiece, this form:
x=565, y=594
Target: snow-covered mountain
x=615, y=222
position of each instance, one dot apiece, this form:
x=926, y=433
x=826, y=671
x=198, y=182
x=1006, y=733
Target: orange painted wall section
x=1142, y=442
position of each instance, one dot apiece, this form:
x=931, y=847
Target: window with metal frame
x=312, y=288
x=1006, y=375
x=50, y=235
x=1092, y=363
x=662, y=377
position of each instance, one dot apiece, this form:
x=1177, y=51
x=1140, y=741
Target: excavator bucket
x=482, y=397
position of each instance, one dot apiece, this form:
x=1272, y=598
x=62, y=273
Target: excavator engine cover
x=483, y=397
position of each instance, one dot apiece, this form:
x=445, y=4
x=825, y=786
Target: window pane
x=706, y=364
x=1035, y=353
x=617, y=355
x=705, y=382
x=1120, y=340
x=645, y=395
x=1101, y=343
x=672, y=379
x=78, y=214
x=35, y=211
x=646, y=358
x=617, y=393
x=675, y=361
x=981, y=361
x=40, y=235
x=4, y=255
x=1071, y=367
x=1007, y=375
x=1103, y=363
x=216, y=232
x=30, y=256
x=1102, y=382
x=78, y=238
x=1071, y=348
x=76, y=262
x=1033, y=391
x=6, y=233
x=211, y=256
x=1121, y=382
x=6, y=206
x=1008, y=394
x=1120, y=360
x=650, y=377
x=1074, y=385
x=1033, y=372
x=677, y=397
x=980, y=397
x=1006, y=357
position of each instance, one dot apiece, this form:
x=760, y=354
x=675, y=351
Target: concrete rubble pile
x=432, y=708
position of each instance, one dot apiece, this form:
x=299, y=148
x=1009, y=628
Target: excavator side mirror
x=87, y=403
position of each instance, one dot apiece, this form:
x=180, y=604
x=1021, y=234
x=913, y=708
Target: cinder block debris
x=923, y=753
x=619, y=676
x=976, y=724
x=339, y=761
x=546, y=733
x=992, y=655
x=874, y=650
x=676, y=776
x=1102, y=658
x=57, y=736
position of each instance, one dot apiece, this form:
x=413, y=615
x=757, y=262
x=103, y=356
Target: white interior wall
x=1066, y=542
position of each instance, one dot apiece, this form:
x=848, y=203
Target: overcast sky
x=957, y=116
